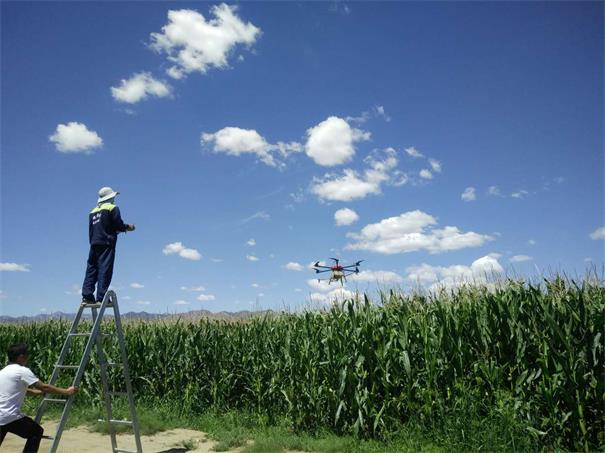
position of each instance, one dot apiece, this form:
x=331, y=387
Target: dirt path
x=81, y=440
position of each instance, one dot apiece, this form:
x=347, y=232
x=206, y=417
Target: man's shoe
x=88, y=301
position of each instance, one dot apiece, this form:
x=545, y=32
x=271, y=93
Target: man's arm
x=34, y=392
x=118, y=223
x=47, y=388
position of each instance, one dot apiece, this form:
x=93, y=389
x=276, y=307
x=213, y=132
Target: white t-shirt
x=14, y=380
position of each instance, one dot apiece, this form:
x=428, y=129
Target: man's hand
x=130, y=227
x=72, y=390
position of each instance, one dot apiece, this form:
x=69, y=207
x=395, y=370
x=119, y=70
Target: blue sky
x=453, y=139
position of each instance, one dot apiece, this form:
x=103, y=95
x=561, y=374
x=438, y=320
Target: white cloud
x=412, y=231
x=320, y=284
x=479, y=271
x=379, y=109
x=14, y=267
x=293, y=266
x=332, y=142
x=136, y=285
x=520, y=258
x=345, y=216
x=350, y=186
x=143, y=302
x=205, y=297
x=468, y=194
x=334, y=296
x=193, y=288
x=435, y=165
x=194, y=44
x=235, y=141
x=531, y=242
x=381, y=169
x=139, y=87
x=376, y=277
x=181, y=302
x=519, y=194
x=255, y=285
x=251, y=242
x=413, y=152
x=257, y=215
x=599, y=233
x=426, y=174
x=75, y=137
x=494, y=191
x=182, y=251
x=251, y=258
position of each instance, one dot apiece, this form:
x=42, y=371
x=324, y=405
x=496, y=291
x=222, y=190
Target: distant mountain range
x=144, y=316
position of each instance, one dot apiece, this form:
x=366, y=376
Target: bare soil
x=81, y=440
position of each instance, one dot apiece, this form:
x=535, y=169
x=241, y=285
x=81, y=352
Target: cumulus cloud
x=376, y=277
x=235, y=141
x=332, y=142
x=494, y=191
x=520, y=258
x=435, y=165
x=193, y=288
x=426, y=174
x=14, y=267
x=413, y=231
x=194, y=44
x=205, y=297
x=137, y=285
x=179, y=249
x=334, y=296
x=345, y=216
x=293, y=266
x=351, y=185
x=139, y=87
x=181, y=302
x=75, y=137
x=468, y=194
x=251, y=258
x=479, y=271
x=251, y=242
x=413, y=152
x=599, y=233
x=520, y=194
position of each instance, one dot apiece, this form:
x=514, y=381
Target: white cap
x=106, y=193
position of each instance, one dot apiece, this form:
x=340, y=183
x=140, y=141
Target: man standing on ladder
x=15, y=380
x=104, y=224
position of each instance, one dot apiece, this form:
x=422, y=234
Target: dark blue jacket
x=104, y=224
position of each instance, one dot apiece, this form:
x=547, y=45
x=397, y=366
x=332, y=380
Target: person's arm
x=118, y=223
x=47, y=388
x=34, y=392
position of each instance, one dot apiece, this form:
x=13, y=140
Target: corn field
x=366, y=368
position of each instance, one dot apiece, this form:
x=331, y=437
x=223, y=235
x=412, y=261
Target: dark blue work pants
x=99, y=270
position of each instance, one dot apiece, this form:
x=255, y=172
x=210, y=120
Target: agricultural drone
x=337, y=272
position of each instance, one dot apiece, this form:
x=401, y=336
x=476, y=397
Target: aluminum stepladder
x=95, y=338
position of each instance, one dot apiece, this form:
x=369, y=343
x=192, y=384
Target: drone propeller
x=335, y=260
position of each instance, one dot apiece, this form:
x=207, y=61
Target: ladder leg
x=125, y=370
x=102, y=359
x=60, y=360
x=81, y=368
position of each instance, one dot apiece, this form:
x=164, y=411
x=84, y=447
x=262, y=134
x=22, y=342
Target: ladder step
x=116, y=422
x=118, y=393
x=114, y=364
x=87, y=334
x=68, y=367
x=55, y=400
x=125, y=451
x=93, y=305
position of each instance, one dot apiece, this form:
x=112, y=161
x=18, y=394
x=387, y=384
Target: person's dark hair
x=15, y=350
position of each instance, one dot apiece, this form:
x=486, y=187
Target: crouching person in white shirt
x=15, y=380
